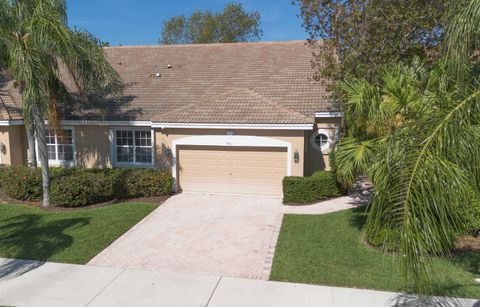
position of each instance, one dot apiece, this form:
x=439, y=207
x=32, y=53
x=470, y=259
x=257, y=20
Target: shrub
x=81, y=189
x=57, y=172
x=75, y=187
x=147, y=182
x=22, y=183
x=320, y=186
x=332, y=163
x=471, y=216
x=3, y=168
x=386, y=239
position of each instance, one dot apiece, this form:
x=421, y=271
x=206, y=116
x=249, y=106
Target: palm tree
x=35, y=43
x=416, y=135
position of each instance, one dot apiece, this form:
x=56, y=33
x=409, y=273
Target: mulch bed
x=5, y=199
x=467, y=244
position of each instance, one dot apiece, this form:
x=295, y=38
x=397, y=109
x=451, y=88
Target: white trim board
x=172, y=125
x=107, y=123
x=328, y=114
x=235, y=126
x=228, y=141
x=18, y=122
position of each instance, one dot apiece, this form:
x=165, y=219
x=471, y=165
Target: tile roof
x=235, y=106
x=237, y=83
x=10, y=106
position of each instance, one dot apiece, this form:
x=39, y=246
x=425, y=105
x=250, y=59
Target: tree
x=359, y=37
x=35, y=44
x=233, y=24
x=416, y=135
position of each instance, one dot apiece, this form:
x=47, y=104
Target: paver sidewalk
x=30, y=283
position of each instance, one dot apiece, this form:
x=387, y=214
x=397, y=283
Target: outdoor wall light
x=296, y=156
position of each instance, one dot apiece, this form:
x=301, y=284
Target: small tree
x=233, y=24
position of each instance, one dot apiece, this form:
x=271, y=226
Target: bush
x=147, y=182
x=471, y=215
x=22, y=183
x=3, y=168
x=332, y=163
x=386, y=239
x=81, y=189
x=320, y=186
x=75, y=187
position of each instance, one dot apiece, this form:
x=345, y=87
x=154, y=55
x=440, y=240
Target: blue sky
x=139, y=22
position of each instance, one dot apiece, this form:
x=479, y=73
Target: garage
x=232, y=169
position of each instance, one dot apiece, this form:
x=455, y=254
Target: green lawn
x=64, y=236
x=329, y=250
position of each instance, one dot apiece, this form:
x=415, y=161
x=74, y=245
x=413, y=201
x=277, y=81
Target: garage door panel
x=232, y=169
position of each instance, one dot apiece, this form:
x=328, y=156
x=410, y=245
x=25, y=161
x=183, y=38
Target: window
x=60, y=147
x=134, y=147
x=320, y=140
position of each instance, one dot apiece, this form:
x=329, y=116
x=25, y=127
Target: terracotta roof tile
x=266, y=82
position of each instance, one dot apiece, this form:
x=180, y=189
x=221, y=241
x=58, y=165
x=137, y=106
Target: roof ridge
x=233, y=90
x=197, y=103
x=278, y=105
x=209, y=44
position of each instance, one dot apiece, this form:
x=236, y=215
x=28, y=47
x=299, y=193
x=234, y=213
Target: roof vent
x=158, y=75
x=169, y=66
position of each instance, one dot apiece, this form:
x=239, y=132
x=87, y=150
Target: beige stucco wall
x=165, y=137
x=315, y=160
x=92, y=145
x=14, y=140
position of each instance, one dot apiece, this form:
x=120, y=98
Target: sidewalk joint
x=213, y=292
x=106, y=286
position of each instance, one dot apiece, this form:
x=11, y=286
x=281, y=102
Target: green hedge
x=81, y=189
x=320, y=186
x=148, y=183
x=75, y=187
x=22, y=183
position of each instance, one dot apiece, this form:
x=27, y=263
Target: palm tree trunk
x=32, y=153
x=40, y=132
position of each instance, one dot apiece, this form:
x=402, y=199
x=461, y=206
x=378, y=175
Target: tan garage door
x=241, y=170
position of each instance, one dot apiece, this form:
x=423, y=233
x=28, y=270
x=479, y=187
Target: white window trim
x=113, y=147
x=229, y=140
x=314, y=145
x=57, y=162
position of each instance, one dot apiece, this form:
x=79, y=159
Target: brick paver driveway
x=229, y=235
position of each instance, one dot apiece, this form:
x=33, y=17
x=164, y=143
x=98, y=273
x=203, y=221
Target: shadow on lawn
x=469, y=260
x=30, y=236
x=359, y=217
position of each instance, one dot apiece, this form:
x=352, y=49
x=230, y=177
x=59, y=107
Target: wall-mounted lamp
x=296, y=156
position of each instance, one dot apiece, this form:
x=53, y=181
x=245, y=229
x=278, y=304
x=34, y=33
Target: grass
x=65, y=236
x=329, y=250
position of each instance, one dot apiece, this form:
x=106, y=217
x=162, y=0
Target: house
x=232, y=118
